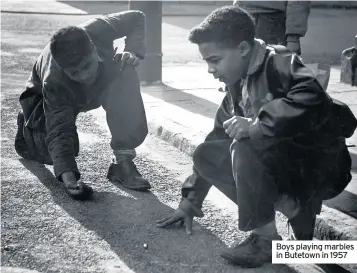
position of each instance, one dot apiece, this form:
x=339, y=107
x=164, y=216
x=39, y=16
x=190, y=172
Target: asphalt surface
x=43, y=229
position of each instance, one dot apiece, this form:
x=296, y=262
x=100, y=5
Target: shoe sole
x=139, y=188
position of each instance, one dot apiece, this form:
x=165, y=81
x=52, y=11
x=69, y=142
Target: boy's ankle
x=267, y=231
x=270, y=236
x=288, y=206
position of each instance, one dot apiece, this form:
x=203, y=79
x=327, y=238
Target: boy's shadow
x=128, y=222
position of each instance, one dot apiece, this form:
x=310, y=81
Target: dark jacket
x=285, y=101
x=296, y=12
x=281, y=95
x=53, y=99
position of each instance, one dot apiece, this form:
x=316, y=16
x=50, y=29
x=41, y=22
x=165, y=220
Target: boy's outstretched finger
x=188, y=223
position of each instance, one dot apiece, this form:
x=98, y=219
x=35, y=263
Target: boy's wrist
x=292, y=38
x=190, y=208
x=254, y=130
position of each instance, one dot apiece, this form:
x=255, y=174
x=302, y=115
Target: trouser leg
x=255, y=184
x=270, y=27
x=125, y=113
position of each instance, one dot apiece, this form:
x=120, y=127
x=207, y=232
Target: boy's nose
x=211, y=69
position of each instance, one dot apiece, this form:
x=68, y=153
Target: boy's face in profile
x=228, y=64
x=84, y=72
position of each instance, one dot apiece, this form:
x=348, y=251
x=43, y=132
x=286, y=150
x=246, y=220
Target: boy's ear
x=244, y=48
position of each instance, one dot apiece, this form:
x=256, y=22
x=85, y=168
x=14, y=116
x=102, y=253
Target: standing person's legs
x=127, y=122
x=270, y=27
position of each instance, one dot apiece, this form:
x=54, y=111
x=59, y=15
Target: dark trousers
x=254, y=173
x=125, y=116
x=270, y=27
x=125, y=111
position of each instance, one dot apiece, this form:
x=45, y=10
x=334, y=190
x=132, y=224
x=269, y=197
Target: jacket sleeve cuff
x=189, y=207
x=254, y=130
x=65, y=164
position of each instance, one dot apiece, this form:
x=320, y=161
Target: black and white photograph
x=178, y=136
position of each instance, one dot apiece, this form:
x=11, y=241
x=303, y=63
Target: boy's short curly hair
x=70, y=45
x=227, y=26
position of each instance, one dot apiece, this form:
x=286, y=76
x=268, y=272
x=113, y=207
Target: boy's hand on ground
x=126, y=58
x=237, y=127
x=178, y=216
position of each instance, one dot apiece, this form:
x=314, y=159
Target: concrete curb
x=325, y=223
x=177, y=140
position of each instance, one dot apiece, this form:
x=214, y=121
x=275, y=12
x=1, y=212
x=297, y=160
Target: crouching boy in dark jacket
x=76, y=72
x=275, y=145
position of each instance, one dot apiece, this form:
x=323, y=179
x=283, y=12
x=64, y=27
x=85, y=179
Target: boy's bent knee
x=211, y=155
x=198, y=156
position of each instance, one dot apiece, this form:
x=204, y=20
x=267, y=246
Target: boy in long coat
x=76, y=72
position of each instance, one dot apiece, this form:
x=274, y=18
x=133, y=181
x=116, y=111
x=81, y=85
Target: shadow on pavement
x=345, y=202
x=126, y=223
x=186, y=101
x=332, y=268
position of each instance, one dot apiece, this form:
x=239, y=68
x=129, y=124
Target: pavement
x=181, y=111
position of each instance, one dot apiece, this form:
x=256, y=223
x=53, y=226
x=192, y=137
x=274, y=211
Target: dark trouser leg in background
x=270, y=27
x=128, y=125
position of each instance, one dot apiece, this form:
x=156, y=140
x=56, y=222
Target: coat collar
x=258, y=56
